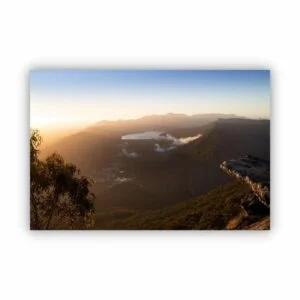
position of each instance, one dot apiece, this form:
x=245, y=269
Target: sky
x=82, y=97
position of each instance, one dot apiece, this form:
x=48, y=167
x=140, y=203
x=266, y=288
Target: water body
x=148, y=135
x=159, y=136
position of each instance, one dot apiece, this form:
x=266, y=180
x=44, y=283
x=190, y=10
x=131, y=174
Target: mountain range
x=130, y=189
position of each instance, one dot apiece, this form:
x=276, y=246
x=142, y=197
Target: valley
x=157, y=164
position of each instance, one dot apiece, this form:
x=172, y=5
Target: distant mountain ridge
x=165, y=120
x=88, y=138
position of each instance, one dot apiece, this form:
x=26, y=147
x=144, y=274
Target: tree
x=59, y=194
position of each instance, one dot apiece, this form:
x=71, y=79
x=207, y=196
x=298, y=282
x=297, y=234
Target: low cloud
x=186, y=140
x=175, y=142
x=158, y=148
x=129, y=154
x=157, y=136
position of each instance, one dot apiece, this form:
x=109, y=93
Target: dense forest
x=59, y=194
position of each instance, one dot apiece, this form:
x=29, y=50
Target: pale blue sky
x=87, y=96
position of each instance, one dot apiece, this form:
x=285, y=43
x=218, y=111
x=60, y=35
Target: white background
x=149, y=265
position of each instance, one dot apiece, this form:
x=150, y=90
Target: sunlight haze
x=63, y=99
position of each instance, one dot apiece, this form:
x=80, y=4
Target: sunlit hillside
x=142, y=149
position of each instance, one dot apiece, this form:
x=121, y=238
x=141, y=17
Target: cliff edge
x=255, y=172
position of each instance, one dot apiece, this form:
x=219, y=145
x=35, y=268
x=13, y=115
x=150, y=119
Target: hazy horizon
x=79, y=98
x=54, y=133
x=160, y=158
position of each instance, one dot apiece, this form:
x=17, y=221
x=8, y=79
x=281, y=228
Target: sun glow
x=38, y=121
x=60, y=99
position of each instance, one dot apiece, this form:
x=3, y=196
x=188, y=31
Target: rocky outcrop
x=264, y=223
x=255, y=206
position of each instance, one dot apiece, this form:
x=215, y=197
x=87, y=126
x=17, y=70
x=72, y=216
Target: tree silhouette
x=59, y=194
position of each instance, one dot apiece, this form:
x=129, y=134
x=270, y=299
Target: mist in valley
x=149, y=143
x=135, y=171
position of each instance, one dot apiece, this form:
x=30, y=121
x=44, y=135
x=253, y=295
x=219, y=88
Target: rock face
x=255, y=206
